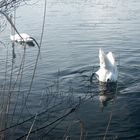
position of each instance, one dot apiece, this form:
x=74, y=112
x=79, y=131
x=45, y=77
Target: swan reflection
x=107, y=93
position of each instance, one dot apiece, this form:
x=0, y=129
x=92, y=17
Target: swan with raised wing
x=108, y=69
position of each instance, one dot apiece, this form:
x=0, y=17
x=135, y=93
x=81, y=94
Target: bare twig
x=38, y=129
x=31, y=127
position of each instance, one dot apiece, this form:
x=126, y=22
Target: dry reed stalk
x=81, y=130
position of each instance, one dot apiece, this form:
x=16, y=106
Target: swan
x=21, y=37
x=108, y=70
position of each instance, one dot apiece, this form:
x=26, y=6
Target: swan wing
x=104, y=61
x=111, y=58
x=22, y=37
x=15, y=37
x=113, y=67
x=112, y=62
x=108, y=68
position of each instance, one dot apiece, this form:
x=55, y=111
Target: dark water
x=74, y=32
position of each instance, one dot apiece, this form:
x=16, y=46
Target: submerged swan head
x=108, y=69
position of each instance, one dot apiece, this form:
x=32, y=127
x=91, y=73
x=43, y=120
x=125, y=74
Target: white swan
x=108, y=69
x=20, y=38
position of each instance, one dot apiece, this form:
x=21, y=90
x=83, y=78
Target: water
x=74, y=32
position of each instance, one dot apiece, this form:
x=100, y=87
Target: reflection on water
x=13, y=51
x=29, y=43
x=107, y=93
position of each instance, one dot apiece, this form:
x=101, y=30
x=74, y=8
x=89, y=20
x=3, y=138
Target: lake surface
x=74, y=32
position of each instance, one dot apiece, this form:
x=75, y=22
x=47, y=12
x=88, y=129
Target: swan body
x=108, y=69
x=20, y=38
x=23, y=37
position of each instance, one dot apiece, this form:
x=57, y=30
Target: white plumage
x=108, y=69
x=20, y=37
x=23, y=37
